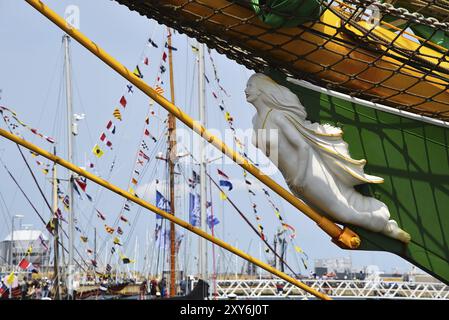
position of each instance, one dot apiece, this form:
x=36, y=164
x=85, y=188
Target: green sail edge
x=287, y=13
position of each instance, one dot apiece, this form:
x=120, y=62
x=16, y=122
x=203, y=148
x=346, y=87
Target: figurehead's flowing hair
x=281, y=98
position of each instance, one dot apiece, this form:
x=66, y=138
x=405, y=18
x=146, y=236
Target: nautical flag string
x=229, y=119
x=117, y=114
x=15, y=126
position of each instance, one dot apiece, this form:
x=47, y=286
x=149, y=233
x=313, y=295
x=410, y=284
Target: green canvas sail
x=413, y=158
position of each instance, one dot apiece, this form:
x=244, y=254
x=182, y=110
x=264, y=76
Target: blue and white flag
x=162, y=203
x=194, y=209
x=226, y=183
x=211, y=220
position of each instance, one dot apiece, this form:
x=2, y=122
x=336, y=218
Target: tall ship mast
x=70, y=178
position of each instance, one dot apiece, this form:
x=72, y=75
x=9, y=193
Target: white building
x=340, y=265
x=22, y=240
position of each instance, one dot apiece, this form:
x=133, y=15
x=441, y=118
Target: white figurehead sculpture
x=315, y=161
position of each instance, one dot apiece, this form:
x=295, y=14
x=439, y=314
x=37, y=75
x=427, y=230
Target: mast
x=95, y=244
x=171, y=162
x=95, y=250
x=56, y=232
x=71, y=270
x=202, y=117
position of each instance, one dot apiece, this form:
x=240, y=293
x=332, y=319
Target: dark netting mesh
x=369, y=49
x=438, y=9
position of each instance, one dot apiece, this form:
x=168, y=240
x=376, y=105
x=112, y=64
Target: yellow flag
x=117, y=114
x=97, y=151
x=137, y=72
x=117, y=241
x=125, y=259
x=10, y=279
x=131, y=190
x=228, y=116
x=223, y=196
x=109, y=229
x=29, y=251
x=298, y=249
x=195, y=49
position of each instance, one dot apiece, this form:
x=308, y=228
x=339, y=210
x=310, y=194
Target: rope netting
x=369, y=49
x=438, y=9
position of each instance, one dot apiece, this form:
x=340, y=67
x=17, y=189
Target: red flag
x=123, y=102
x=146, y=61
x=28, y=266
x=24, y=264
x=82, y=184
x=111, y=127
x=164, y=57
x=143, y=155
x=104, y=140
x=147, y=133
x=221, y=173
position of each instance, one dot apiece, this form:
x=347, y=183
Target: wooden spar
x=171, y=163
x=166, y=215
x=345, y=238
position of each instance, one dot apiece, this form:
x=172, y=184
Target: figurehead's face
x=251, y=91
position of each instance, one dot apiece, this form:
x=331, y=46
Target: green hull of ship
x=413, y=158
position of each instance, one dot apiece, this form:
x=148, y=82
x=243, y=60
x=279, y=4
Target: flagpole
x=11, y=255
x=66, y=40
x=202, y=118
x=95, y=250
x=56, y=232
x=171, y=161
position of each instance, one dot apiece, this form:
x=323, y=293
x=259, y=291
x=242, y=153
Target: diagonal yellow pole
x=160, y=212
x=345, y=238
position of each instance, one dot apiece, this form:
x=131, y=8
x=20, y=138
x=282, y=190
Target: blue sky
x=30, y=80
